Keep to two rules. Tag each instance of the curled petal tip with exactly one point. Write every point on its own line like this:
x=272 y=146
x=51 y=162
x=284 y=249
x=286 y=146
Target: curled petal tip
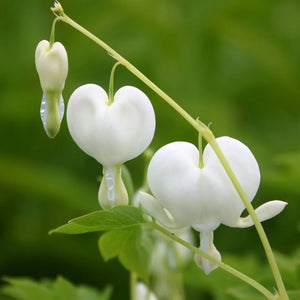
x=264 y=212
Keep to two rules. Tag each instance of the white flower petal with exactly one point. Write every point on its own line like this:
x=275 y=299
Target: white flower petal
x=207 y=245
x=223 y=196
x=264 y=212
x=203 y=196
x=111 y=133
x=52 y=65
x=157 y=211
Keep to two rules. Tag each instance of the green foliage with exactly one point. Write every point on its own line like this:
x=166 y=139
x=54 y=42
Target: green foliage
x=231 y=288
x=59 y=289
x=104 y=220
x=126 y=238
x=133 y=246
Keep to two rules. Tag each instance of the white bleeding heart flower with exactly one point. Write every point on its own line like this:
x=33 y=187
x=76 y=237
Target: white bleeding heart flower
x=52 y=66
x=112 y=131
x=186 y=194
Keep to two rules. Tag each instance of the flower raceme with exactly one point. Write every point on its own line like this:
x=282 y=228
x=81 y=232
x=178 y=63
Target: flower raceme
x=187 y=194
x=112 y=131
x=52 y=66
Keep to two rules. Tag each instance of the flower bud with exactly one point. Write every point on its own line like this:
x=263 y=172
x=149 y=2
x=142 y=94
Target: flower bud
x=52 y=67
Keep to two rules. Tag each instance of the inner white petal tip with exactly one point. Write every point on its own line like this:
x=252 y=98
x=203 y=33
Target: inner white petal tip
x=157 y=211
x=110 y=183
x=44 y=113
x=207 y=246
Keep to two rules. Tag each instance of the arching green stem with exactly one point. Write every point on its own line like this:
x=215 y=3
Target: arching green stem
x=111 y=83
x=222 y=265
x=52 y=34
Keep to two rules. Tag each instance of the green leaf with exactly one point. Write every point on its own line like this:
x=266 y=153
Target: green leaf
x=64 y=290
x=108 y=220
x=103 y=220
x=86 y=293
x=26 y=289
x=133 y=247
x=60 y=289
x=72 y=228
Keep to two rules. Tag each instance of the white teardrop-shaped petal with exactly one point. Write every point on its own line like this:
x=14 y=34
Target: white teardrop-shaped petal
x=111 y=133
x=205 y=196
x=264 y=212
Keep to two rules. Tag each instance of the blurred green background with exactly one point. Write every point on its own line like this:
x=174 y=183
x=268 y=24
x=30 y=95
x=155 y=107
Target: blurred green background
x=235 y=64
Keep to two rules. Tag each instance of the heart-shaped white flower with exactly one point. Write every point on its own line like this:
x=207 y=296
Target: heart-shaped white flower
x=202 y=196
x=112 y=132
x=187 y=194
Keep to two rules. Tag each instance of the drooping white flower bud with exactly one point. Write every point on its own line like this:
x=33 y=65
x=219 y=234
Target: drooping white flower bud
x=111 y=132
x=187 y=194
x=52 y=67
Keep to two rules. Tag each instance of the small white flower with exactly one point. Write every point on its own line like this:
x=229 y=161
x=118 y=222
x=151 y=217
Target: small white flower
x=143 y=293
x=187 y=195
x=52 y=67
x=112 y=133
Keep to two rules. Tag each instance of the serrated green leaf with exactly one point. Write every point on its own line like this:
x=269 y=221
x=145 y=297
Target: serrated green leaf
x=86 y=293
x=133 y=247
x=60 y=289
x=26 y=289
x=103 y=220
x=64 y=290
